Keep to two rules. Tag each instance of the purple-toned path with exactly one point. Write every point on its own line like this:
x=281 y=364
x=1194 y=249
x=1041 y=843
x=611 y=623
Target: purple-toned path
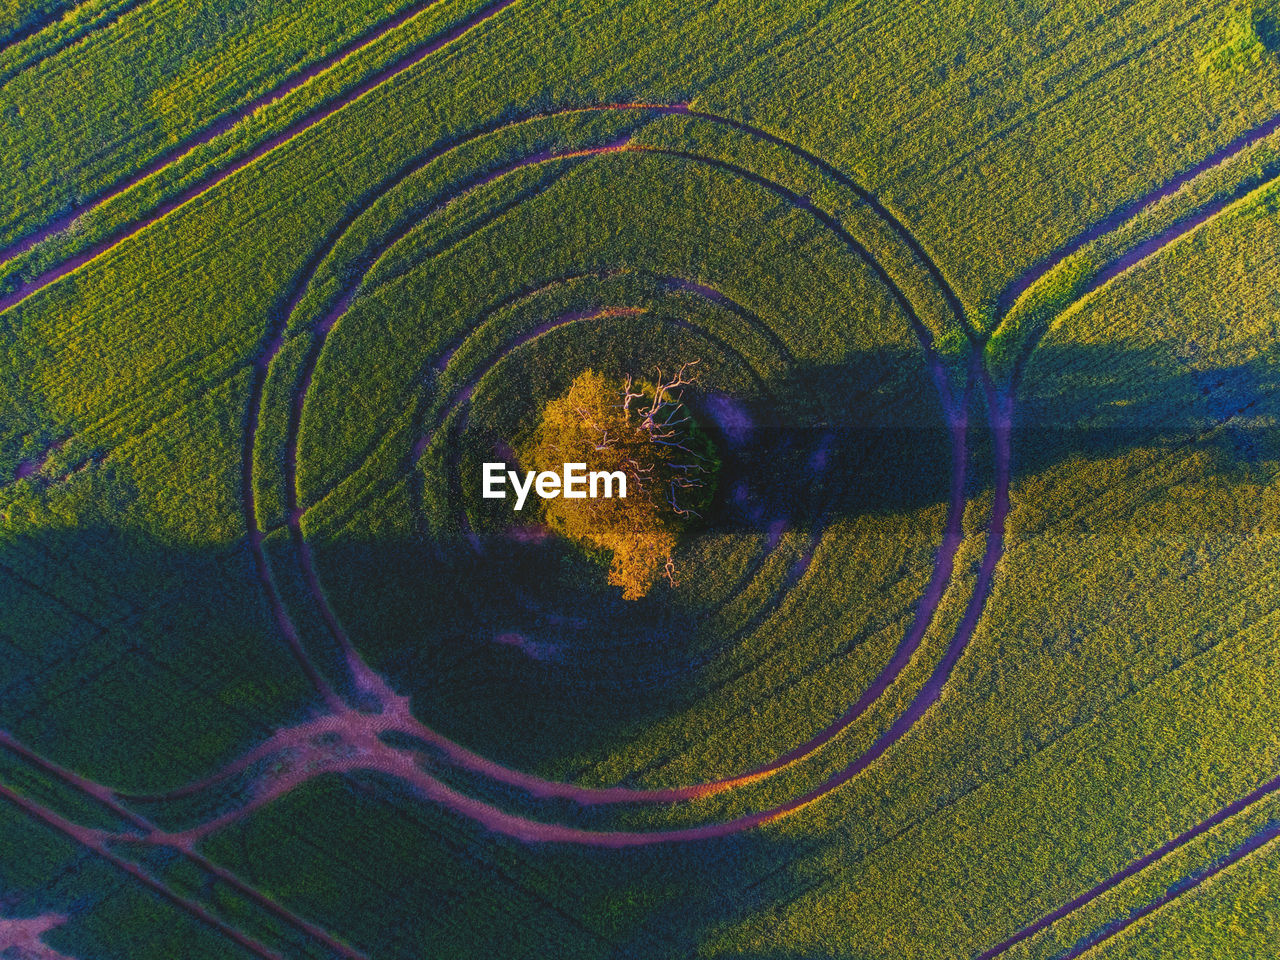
x=23 y=939
x=374 y=689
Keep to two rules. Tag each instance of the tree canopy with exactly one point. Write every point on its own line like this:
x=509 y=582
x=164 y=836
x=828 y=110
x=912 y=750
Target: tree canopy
x=644 y=430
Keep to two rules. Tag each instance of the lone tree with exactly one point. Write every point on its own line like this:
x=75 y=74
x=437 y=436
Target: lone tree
x=645 y=431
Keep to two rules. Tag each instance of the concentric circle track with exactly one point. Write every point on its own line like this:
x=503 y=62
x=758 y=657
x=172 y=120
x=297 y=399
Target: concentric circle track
x=373 y=689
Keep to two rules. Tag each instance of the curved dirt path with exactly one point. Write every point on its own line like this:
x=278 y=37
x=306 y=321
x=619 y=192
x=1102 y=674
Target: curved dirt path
x=395 y=710
x=371 y=685
x=353 y=740
x=262 y=568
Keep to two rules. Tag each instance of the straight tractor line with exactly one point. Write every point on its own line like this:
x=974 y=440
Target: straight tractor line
x=1220 y=816
x=219 y=126
x=110 y=800
x=292 y=131
x=1257 y=841
x=96 y=842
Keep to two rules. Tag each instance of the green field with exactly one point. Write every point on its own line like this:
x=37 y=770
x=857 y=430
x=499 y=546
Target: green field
x=974 y=654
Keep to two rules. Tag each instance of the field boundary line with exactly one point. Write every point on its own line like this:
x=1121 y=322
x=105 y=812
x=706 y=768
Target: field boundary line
x=110 y=799
x=309 y=120
x=96 y=841
x=1221 y=815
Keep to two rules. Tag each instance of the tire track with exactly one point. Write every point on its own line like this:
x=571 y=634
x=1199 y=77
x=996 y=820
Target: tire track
x=111 y=801
x=272 y=342
x=1252 y=845
x=395 y=709
x=1220 y=816
x=33 y=286
x=351 y=741
x=375 y=687
x=219 y=126
x=24 y=937
x=1120 y=217
x=96 y=842
x=369 y=84
x=23 y=34
x=256 y=538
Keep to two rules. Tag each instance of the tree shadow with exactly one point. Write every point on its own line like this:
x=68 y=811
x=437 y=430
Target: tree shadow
x=439 y=885
x=144 y=663
x=1266 y=23
x=137 y=662
x=1088 y=404
x=97 y=621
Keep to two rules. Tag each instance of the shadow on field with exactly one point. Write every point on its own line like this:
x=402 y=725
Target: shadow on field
x=172 y=647
x=399 y=878
x=135 y=662
x=519 y=647
x=1093 y=403
x=143 y=662
x=1266 y=23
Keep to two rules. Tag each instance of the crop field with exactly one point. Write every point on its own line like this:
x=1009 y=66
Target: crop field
x=971 y=648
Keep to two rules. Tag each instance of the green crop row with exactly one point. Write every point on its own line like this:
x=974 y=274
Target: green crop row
x=1244 y=183
x=1230 y=917
x=61 y=30
x=178 y=65
x=23 y=17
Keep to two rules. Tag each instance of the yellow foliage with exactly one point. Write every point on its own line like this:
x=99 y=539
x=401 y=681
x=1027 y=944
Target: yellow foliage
x=594 y=423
